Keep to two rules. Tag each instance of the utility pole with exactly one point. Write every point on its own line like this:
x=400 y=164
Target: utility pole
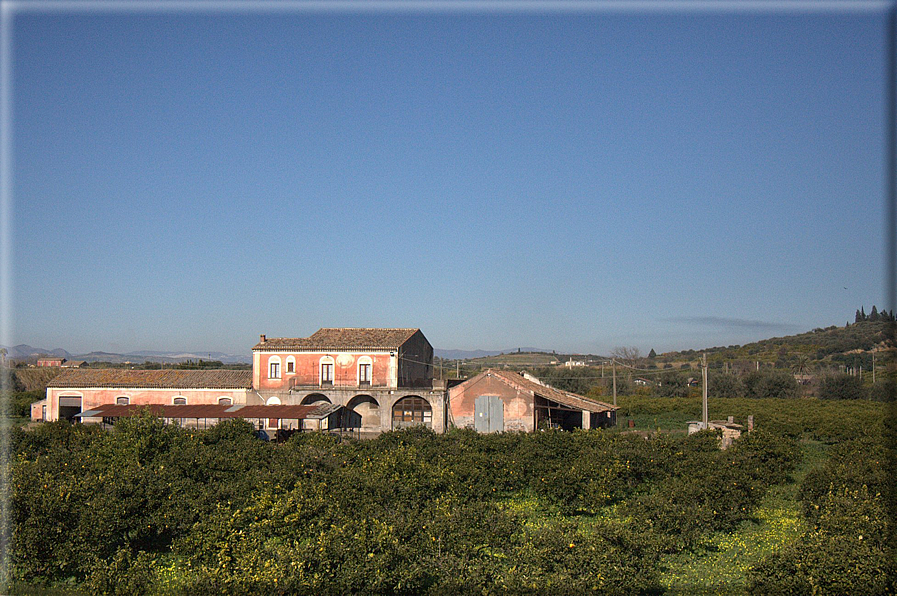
x=614 y=365
x=704 y=417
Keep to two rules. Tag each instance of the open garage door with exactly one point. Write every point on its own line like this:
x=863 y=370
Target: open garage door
x=69 y=407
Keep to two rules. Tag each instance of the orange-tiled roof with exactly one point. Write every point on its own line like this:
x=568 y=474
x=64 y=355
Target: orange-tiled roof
x=556 y=395
x=153 y=379
x=341 y=338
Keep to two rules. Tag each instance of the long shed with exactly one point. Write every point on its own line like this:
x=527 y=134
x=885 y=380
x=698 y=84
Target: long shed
x=321 y=416
x=501 y=400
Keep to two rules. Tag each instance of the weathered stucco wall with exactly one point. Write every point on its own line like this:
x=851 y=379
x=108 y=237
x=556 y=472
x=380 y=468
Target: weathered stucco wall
x=518 y=404
x=91 y=398
x=308 y=369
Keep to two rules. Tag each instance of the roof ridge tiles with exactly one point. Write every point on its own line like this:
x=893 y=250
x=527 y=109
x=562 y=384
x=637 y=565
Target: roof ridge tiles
x=340 y=338
x=162 y=378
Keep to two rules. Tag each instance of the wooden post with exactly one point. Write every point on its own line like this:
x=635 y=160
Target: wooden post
x=704 y=418
x=614 y=364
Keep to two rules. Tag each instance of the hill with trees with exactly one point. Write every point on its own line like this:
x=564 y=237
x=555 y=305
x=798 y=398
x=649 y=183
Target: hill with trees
x=832 y=347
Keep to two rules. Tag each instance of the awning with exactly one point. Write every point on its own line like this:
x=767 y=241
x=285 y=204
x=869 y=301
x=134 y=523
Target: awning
x=310 y=412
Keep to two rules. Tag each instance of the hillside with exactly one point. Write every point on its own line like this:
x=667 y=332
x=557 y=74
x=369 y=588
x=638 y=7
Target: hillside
x=33 y=379
x=850 y=345
x=522 y=359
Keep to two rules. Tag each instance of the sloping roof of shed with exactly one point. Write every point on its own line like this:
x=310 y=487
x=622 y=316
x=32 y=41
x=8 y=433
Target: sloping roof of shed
x=341 y=338
x=556 y=395
x=153 y=379
x=214 y=411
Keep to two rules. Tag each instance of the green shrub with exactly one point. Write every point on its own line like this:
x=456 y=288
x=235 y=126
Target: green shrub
x=725 y=385
x=766 y=384
x=846 y=553
x=671 y=384
x=842 y=387
x=178 y=511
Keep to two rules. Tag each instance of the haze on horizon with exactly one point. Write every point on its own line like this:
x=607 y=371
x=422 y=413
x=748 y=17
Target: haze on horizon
x=572 y=181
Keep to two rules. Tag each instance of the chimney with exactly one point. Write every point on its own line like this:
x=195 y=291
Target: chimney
x=262 y=338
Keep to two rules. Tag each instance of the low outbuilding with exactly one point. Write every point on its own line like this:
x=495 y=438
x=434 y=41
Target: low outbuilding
x=501 y=400
x=321 y=416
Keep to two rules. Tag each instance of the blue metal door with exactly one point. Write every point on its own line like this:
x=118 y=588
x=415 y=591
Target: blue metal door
x=489 y=414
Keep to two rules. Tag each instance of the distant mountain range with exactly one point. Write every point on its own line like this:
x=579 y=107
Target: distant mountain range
x=24 y=352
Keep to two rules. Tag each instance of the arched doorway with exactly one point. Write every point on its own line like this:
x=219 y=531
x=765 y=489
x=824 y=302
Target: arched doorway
x=366 y=412
x=412 y=411
x=314 y=398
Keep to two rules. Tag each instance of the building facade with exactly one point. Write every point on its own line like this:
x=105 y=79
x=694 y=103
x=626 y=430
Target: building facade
x=49 y=361
x=77 y=390
x=383 y=378
x=500 y=400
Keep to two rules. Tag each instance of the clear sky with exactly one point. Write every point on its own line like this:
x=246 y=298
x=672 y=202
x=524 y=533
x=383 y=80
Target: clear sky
x=563 y=180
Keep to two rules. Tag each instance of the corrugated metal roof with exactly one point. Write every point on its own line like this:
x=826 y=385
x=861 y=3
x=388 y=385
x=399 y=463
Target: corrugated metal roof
x=153 y=379
x=213 y=411
x=341 y=338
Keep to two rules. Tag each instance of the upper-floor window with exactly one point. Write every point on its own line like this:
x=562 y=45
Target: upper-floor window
x=365 y=365
x=291 y=365
x=122 y=401
x=327 y=370
x=225 y=401
x=274 y=368
x=180 y=401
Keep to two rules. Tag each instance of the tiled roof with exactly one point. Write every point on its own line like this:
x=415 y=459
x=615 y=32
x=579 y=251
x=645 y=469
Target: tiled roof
x=153 y=379
x=213 y=411
x=556 y=395
x=342 y=338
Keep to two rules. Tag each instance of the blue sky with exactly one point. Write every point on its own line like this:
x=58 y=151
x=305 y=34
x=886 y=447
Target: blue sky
x=570 y=181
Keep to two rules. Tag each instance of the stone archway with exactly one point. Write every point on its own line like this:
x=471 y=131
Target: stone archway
x=367 y=411
x=314 y=398
x=412 y=411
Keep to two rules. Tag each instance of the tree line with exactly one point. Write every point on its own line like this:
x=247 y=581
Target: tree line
x=874 y=315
